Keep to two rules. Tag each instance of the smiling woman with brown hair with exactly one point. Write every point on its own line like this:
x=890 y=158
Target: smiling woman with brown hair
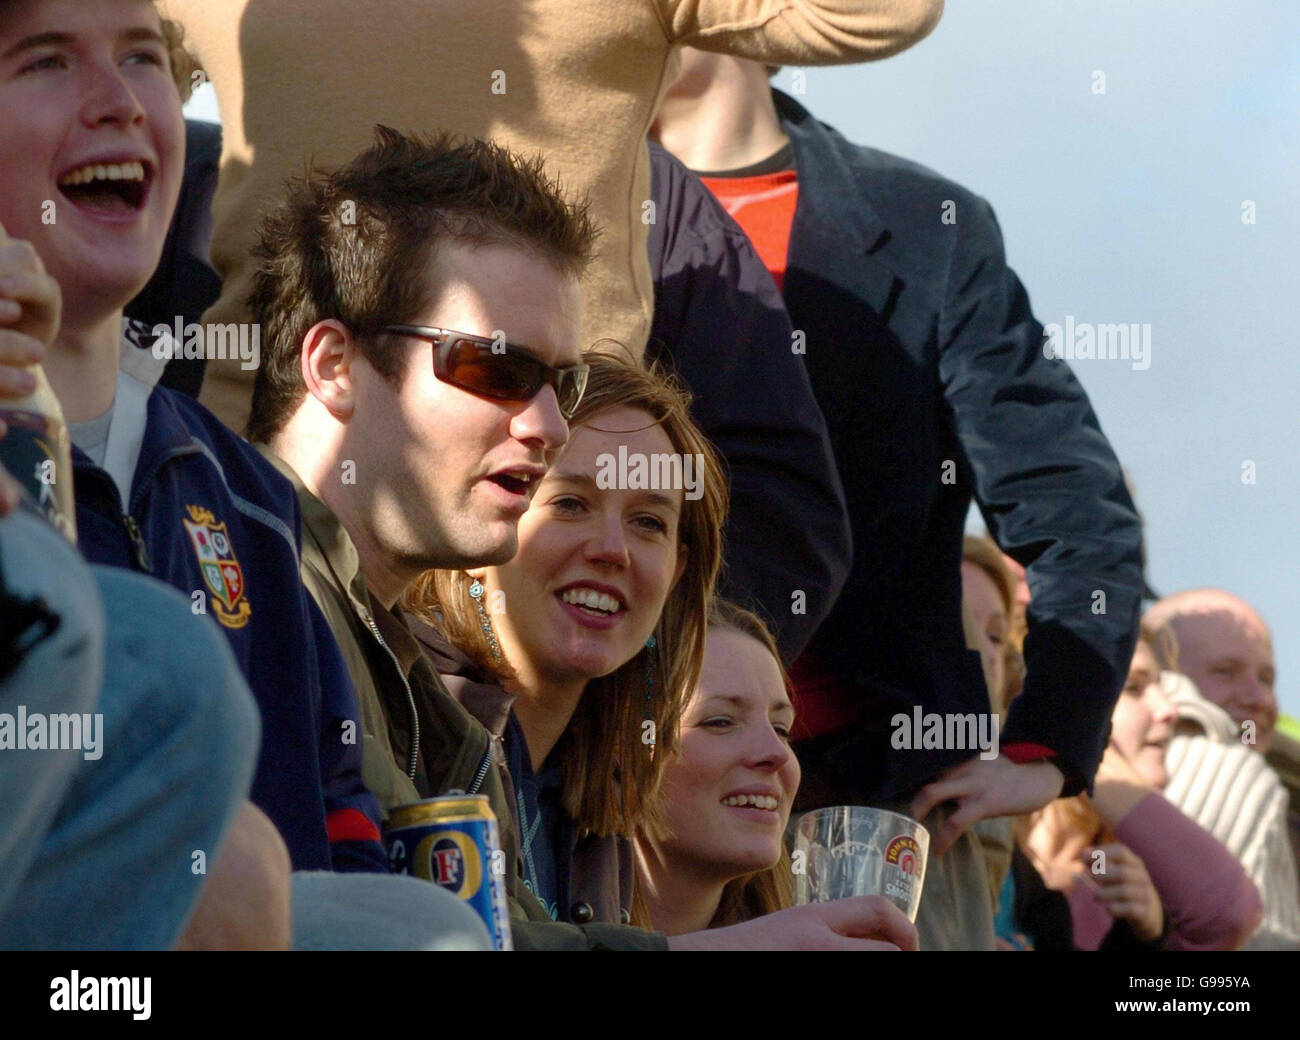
x=727 y=793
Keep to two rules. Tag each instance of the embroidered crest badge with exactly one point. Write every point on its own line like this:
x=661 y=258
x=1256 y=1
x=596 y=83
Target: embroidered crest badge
x=221 y=571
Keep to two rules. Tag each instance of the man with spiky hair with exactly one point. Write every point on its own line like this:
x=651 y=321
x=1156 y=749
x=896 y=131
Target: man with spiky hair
x=423 y=446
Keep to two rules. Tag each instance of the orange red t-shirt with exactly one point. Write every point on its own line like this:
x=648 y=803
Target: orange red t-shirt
x=762 y=203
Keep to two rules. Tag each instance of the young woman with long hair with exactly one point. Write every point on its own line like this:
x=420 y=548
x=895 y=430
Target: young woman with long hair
x=727 y=792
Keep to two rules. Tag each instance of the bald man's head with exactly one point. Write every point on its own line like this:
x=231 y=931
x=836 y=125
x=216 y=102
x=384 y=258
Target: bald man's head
x=1225 y=648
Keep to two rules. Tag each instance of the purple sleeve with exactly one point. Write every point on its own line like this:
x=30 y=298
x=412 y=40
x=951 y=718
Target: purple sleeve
x=1090 y=921
x=720 y=320
x=1209 y=901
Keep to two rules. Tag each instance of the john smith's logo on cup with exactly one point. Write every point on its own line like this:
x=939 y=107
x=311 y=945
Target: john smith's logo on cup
x=904 y=867
x=904 y=853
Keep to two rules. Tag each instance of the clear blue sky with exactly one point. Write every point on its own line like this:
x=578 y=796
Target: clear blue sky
x=1126 y=207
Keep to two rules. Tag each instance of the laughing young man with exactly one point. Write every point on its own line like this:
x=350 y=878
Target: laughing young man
x=91 y=158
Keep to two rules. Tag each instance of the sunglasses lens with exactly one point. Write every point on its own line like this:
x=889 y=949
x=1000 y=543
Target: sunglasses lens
x=508 y=376
x=512 y=376
x=570 y=388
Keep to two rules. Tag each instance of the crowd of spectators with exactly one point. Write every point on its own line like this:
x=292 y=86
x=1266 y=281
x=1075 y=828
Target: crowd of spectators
x=421 y=543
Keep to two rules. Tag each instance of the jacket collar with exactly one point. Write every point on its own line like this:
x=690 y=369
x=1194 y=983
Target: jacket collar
x=392 y=627
x=324 y=531
x=165 y=434
x=824 y=174
x=166 y=437
x=486 y=700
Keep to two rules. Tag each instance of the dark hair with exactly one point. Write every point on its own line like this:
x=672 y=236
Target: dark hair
x=343 y=244
x=611 y=783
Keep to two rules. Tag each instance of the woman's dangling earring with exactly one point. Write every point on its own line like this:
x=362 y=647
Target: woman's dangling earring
x=650 y=645
x=476 y=592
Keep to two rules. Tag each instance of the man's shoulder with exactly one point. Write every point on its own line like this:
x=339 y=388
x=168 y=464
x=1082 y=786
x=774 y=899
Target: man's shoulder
x=898 y=170
x=690 y=226
x=895 y=186
x=245 y=471
x=686 y=198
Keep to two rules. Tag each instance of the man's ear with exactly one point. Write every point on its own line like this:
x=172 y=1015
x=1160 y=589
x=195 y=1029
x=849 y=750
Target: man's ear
x=329 y=351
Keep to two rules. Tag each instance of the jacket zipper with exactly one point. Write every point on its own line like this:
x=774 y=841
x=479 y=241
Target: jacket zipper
x=137 y=543
x=413 y=755
x=482 y=771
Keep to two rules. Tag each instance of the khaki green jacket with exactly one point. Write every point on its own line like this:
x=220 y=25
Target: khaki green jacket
x=418 y=741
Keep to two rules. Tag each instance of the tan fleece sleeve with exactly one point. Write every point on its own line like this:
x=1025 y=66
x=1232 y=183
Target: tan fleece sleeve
x=800 y=32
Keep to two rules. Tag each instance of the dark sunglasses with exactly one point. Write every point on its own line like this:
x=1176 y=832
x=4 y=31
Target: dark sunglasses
x=481 y=366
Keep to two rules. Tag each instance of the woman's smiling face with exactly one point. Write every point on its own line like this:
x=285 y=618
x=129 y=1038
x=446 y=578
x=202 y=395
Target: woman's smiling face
x=595 y=564
x=1142 y=722
x=728 y=794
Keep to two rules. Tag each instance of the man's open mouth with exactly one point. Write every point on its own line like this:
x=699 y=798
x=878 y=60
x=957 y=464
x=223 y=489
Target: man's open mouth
x=516 y=484
x=113 y=188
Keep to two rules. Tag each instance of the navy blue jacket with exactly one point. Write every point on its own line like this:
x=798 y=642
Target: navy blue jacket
x=211 y=517
x=923 y=351
x=719 y=321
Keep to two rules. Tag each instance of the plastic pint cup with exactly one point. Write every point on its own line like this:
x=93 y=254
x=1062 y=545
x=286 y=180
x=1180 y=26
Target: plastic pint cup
x=850 y=850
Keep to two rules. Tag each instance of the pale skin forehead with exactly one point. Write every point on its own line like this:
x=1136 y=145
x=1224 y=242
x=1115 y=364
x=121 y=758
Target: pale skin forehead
x=738 y=666
x=1203 y=611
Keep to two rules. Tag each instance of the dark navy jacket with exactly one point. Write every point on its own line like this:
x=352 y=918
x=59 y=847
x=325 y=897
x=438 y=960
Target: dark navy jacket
x=211 y=517
x=922 y=351
x=719 y=320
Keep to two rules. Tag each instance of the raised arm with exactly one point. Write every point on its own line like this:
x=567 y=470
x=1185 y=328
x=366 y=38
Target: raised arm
x=1052 y=493
x=800 y=32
